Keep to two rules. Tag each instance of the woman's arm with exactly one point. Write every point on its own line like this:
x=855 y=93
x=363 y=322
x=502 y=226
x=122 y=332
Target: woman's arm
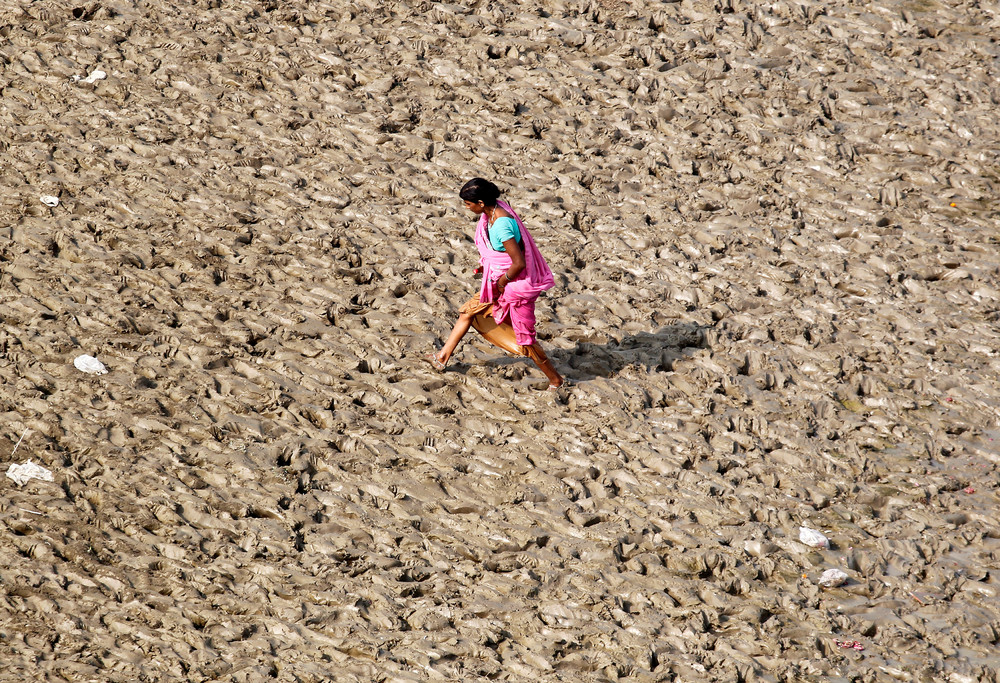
x=516 y=264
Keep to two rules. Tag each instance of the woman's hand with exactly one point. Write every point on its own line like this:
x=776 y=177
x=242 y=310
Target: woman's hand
x=501 y=285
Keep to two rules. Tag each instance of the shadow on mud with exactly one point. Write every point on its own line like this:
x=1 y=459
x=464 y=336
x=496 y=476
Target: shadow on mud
x=652 y=350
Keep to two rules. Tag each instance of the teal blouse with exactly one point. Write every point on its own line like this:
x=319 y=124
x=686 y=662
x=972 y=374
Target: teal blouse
x=503 y=229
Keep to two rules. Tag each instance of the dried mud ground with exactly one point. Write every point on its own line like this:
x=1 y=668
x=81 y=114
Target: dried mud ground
x=774 y=229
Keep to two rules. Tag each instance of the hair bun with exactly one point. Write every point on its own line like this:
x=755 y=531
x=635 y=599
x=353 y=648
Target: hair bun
x=480 y=190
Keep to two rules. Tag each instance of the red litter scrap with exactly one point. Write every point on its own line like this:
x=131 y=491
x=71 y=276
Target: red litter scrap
x=969 y=489
x=850 y=645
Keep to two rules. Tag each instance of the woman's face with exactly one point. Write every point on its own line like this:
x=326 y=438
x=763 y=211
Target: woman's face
x=475 y=207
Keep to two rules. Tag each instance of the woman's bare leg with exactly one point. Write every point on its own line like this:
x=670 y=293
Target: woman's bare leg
x=537 y=354
x=462 y=326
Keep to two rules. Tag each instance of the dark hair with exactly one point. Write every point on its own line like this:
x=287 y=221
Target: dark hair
x=479 y=190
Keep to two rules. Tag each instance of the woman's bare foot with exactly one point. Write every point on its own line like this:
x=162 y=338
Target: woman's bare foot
x=435 y=362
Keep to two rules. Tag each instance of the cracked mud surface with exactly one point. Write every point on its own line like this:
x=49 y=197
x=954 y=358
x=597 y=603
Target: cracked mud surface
x=774 y=233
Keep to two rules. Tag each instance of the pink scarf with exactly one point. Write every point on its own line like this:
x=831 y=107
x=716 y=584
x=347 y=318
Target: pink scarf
x=518 y=300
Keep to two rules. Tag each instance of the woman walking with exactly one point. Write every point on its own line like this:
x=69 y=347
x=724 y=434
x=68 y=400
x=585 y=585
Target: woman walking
x=514 y=274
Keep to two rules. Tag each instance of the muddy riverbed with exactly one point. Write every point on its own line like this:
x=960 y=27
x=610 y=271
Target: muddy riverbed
x=774 y=233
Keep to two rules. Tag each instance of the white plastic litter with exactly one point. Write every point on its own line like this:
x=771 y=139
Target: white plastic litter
x=832 y=578
x=813 y=538
x=759 y=548
x=90 y=365
x=94 y=76
x=22 y=474
x=49 y=200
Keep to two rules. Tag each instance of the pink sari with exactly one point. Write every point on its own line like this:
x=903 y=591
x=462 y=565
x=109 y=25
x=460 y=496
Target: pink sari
x=518 y=300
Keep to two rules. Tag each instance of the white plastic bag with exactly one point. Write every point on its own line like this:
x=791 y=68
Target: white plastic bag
x=94 y=76
x=22 y=474
x=832 y=578
x=90 y=365
x=49 y=200
x=813 y=538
